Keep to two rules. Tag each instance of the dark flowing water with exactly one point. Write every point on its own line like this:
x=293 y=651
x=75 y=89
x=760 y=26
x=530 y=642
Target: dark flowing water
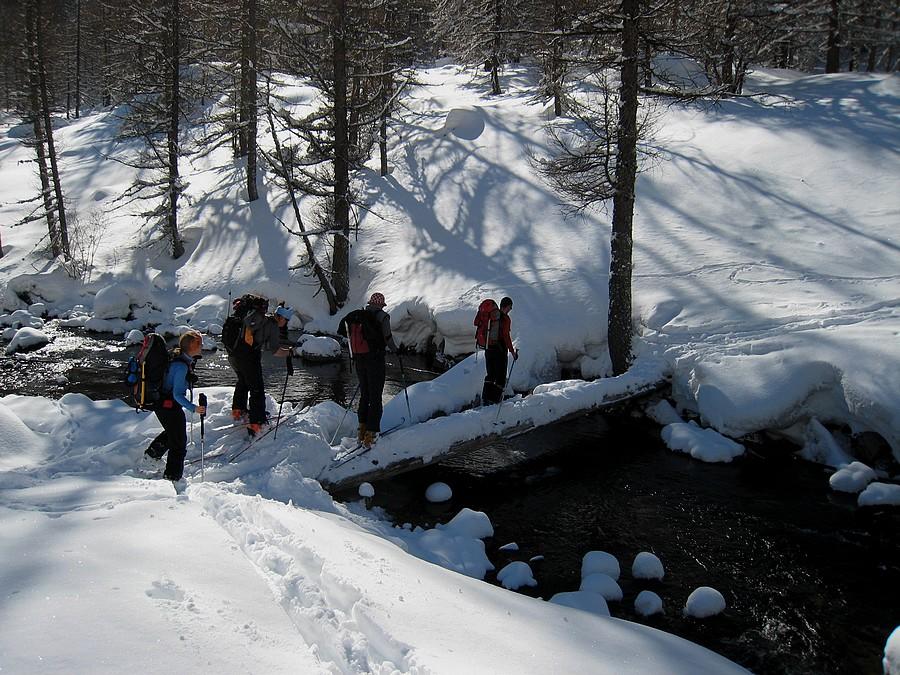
x=812 y=582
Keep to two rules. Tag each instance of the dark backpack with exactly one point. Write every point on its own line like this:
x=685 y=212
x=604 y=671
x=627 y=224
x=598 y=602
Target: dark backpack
x=487 y=324
x=361 y=328
x=146 y=372
x=233 y=328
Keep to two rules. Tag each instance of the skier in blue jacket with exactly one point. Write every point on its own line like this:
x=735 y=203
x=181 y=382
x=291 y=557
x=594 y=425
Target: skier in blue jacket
x=169 y=411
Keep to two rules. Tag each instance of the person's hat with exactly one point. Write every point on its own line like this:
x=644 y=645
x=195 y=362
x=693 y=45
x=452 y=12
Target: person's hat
x=285 y=312
x=377 y=299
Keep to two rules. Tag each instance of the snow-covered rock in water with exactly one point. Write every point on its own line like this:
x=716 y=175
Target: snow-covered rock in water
x=891 y=661
x=134 y=337
x=877 y=494
x=9 y=333
x=319 y=348
x=820 y=446
x=600 y=562
x=96 y=325
x=475 y=524
x=515 y=575
x=366 y=490
x=603 y=584
x=703 y=602
x=852 y=478
x=438 y=492
x=511 y=546
x=209 y=344
x=586 y=601
x=112 y=302
x=207 y=310
x=647 y=566
x=27 y=339
x=707 y=445
x=648 y=603
x=37 y=309
x=21 y=319
x=662 y=412
x=214 y=328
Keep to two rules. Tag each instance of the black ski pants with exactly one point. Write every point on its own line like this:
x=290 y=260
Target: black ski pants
x=172 y=439
x=370 y=372
x=248 y=369
x=495 y=379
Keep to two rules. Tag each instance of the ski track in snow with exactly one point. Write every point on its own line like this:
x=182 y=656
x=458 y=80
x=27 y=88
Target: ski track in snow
x=326 y=611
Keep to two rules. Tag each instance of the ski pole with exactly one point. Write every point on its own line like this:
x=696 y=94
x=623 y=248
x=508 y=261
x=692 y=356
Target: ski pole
x=202 y=435
x=289 y=362
x=405 y=392
x=344 y=416
x=503 y=393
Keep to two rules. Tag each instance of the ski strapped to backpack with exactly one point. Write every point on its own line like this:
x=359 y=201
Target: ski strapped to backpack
x=362 y=330
x=487 y=324
x=235 y=338
x=146 y=372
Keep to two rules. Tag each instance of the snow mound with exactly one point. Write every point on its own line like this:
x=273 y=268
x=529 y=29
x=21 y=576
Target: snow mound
x=467 y=522
x=26 y=339
x=21 y=445
x=704 y=602
x=647 y=566
x=707 y=445
x=464 y=123
x=648 y=603
x=112 y=302
x=515 y=575
x=819 y=445
x=852 y=478
x=880 y=494
x=366 y=490
x=603 y=584
x=891 y=660
x=21 y=319
x=438 y=492
x=600 y=562
x=319 y=348
x=586 y=601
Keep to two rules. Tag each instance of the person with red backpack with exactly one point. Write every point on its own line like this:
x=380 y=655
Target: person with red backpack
x=173 y=401
x=493 y=335
x=368 y=332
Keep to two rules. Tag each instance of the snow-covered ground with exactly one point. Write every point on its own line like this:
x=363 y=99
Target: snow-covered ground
x=767 y=285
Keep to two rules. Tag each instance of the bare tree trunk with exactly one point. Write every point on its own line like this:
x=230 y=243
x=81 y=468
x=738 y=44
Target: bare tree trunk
x=833 y=55
x=385 y=101
x=620 y=324
x=495 y=56
x=340 y=272
x=249 y=110
x=48 y=134
x=37 y=121
x=174 y=186
x=77 y=59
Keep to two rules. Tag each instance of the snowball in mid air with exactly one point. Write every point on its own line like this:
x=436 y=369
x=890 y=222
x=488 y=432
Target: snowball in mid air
x=599 y=561
x=438 y=492
x=704 y=602
x=647 y=566
x=515 y=575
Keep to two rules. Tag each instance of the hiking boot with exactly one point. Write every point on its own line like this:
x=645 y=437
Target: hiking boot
x=361 y=432
x=238 y=415
x=256 y=429
x=370 y=438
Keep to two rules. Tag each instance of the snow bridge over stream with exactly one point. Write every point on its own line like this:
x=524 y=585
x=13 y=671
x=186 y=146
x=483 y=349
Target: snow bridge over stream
x=430 y=422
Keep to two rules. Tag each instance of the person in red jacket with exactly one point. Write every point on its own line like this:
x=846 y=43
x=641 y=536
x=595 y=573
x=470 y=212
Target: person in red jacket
x=495 y=355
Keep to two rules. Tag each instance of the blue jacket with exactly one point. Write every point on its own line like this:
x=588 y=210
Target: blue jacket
x=176 y=381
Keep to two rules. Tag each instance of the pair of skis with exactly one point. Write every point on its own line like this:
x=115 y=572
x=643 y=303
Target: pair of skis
x=353 y=453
